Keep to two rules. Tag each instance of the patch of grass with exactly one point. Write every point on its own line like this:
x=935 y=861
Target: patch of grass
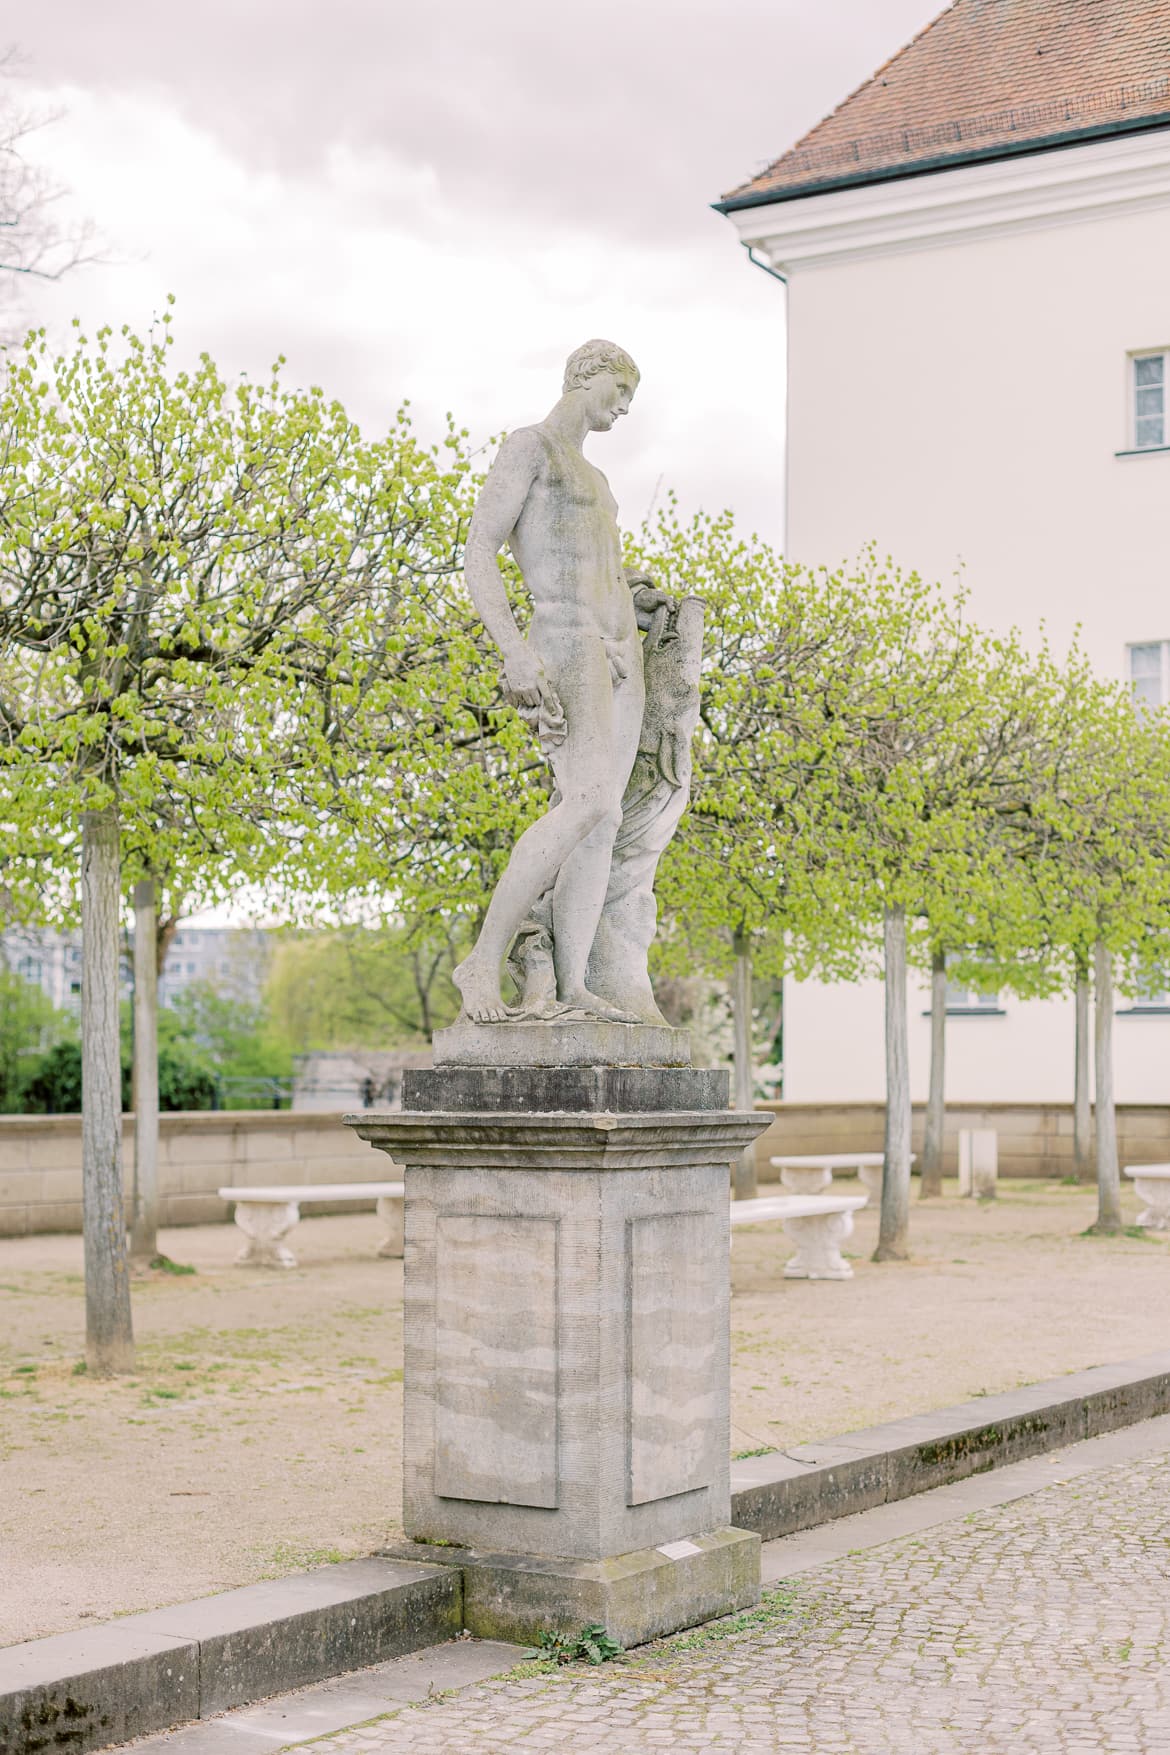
x=773 y=1607
x=162 y=1264
x=290 y=1557
x=80 y=1369
x=157 y=1394
x=761 y=1450
x=24 y=1371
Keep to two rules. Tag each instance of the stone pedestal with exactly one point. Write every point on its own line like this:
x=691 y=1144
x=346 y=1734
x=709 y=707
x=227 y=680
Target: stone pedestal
x=566 y=1347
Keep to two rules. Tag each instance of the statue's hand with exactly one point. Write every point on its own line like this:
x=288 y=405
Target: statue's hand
x=648 y=599
x=526 y=685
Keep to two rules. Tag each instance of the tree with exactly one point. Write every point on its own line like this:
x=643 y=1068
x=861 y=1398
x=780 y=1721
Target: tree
x=995 y=938
x=29 y=1026
x=198 y=583
x=743 y=883
x=34 y=244
x=363 y=987
x=1094 y=836
x=932 y=738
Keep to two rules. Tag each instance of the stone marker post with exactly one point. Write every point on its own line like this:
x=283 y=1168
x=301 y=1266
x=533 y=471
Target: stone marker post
x=566 y=1168
x=978 y=1162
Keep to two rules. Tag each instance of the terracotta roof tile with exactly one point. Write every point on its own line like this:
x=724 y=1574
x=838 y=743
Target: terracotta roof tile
x=987 y=78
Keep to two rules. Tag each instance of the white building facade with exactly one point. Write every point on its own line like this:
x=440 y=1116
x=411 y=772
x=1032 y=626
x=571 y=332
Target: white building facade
x=979 y=385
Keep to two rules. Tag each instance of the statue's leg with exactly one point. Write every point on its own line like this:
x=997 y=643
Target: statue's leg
x=580 y=890
x=583 y=764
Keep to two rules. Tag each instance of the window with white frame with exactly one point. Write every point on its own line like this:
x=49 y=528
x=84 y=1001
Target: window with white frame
x=1151 y=994
x=968 y=996
x=1149 y=663
x=1149 y=400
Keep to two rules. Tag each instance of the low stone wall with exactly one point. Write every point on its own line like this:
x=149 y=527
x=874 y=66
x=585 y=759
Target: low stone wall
x=1035 y=1139
x=40 y=1155
x=40 y=1163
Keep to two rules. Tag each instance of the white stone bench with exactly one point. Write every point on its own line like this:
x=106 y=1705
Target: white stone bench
x=817 y=1224
x=265 y=1215
x=1152 y=1182
x=812 y=1172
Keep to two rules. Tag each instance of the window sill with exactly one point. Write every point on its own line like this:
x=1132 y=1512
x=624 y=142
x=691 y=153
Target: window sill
x=1142 y=451
x=1143 y=1011
x=975 y=1011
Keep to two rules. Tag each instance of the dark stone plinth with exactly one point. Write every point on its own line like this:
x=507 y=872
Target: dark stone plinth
x=565 y=1090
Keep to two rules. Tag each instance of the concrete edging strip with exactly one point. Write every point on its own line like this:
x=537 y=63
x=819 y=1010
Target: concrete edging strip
x=143 y=1673
x=809 y=1484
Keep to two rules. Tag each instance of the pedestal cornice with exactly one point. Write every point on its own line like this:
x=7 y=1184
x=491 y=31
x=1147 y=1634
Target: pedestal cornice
x=657 y=1141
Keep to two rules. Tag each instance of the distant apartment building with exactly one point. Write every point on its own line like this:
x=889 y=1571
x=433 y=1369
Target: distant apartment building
x=232 y=960
x=976 y=246
x=47 y=959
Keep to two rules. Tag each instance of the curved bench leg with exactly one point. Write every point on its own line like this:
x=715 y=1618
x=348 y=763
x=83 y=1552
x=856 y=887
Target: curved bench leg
x=263 y=1224
x=818 y=1238
x=803 y=1179
x=1155 y=1190
x=392 y=1212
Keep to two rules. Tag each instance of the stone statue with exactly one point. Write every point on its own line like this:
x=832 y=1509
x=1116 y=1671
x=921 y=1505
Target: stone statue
x=574 y=911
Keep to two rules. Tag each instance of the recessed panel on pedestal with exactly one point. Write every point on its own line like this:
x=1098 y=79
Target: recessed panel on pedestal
x=496 y=1359
x=673 y=1310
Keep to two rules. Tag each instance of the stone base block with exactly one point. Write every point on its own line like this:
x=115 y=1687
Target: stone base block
x=586 y=1043
x=575 y=1090
x=635 y=1597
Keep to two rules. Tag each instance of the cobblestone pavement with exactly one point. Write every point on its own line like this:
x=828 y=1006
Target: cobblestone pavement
x=1041 y=1625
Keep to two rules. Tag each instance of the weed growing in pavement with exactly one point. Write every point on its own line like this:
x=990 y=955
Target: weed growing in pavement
x=592 y=1645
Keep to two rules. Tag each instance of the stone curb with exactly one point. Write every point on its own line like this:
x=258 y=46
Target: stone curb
x=143 y=1673
x=811 y=1484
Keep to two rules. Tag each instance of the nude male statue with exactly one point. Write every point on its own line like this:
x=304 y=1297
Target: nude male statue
x=577 y=677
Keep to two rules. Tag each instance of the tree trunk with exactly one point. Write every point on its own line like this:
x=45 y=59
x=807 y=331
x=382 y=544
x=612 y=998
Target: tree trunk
x=1082 y=1112
x=109 y=1337
x=895 y=1213
x=741 y=996
x=144 y=1210
x=932 y=1147
x=1108 y=1170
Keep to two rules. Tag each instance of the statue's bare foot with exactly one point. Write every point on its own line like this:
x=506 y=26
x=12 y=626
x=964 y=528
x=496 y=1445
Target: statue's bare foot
x=582 y=1000
x=479 y=989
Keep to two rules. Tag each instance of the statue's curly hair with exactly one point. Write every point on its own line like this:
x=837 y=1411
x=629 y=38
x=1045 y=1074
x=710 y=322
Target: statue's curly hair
x=596 y=356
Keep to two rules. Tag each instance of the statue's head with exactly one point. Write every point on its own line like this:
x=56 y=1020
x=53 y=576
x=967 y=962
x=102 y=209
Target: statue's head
x=606 y=377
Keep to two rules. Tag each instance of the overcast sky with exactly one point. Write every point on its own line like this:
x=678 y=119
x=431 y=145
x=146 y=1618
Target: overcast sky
x=441 y=199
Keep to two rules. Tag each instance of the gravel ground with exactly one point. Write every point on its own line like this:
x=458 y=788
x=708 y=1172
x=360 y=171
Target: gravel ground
x=261 y=1433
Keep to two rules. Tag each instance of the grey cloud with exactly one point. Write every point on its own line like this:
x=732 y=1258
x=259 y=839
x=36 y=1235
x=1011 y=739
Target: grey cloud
x=626 y=116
